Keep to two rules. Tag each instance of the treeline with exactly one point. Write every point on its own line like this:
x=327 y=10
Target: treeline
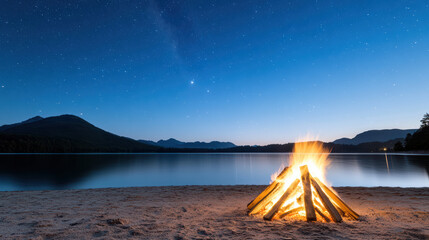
x=39 y=144
x=336 y=148
x=419 y=141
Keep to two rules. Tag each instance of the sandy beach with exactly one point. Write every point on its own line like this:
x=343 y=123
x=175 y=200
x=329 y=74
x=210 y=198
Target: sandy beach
x=202 y=212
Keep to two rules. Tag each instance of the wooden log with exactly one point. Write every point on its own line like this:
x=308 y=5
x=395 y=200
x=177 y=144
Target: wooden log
x=267 y=190
x=300 y=199
x=262 y=195
x=290 y=212
x=342 y=213
x=341 y=204
x=275 y=209
x=317 y=201
x=261 y=204
x=322 y=214
x=282 y=174
x=308 y=197
x=319 y=205
x=326 y=202
x=285 y=208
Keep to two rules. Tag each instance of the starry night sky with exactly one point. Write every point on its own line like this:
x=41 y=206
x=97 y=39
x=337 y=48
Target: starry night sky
x=251 y=72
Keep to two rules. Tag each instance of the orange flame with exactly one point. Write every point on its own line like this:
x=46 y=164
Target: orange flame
x=310 y=153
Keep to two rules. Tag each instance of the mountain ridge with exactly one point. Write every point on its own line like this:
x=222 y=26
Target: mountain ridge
x=65 y=133
x=381 y=135
x=30 y=120
x=174 y=143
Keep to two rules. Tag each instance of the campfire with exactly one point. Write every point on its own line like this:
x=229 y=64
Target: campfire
x=300 y=190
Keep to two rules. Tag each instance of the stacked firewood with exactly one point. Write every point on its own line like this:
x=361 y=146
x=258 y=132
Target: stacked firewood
x=314 y=198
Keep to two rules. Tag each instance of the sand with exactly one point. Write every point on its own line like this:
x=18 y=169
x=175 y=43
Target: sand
x=202 y=212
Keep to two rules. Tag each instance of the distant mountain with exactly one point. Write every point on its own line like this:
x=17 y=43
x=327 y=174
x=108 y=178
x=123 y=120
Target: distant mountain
x=173 y=143
x=148 y=142
x=34 y=119
x=65 y=133
x=376 y=136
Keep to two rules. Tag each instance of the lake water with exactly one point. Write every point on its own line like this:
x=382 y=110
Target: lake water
x=77 y=171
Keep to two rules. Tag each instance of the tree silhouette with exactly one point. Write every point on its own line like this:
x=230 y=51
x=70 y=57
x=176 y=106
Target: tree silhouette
x=398 y=146
x=420 y=139
x=408 y=140
x=425 y=121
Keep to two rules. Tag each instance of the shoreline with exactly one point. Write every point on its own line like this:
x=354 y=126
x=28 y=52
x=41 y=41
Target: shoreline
x=204 y=212
x=214 y=151
x=423 y=153
x=205 y=186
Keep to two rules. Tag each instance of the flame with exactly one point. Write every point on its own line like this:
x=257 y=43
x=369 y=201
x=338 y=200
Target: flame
x=315 y=156
x=312 y=154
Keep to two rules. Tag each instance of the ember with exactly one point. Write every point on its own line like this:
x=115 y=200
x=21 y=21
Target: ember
x=299 y=190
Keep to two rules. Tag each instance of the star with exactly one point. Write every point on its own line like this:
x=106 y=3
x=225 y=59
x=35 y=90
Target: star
x=192 y=82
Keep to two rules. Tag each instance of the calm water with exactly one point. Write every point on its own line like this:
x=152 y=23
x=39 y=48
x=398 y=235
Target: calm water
x=72 y=171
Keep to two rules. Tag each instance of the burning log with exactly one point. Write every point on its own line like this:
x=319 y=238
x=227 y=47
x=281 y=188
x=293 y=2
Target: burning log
x=292 y=211
x=317 y=203
x=341 y=204
x=308 y=198
x=322 y=214
x=285 y=208
x=341 y=212
x=267 y=198
x=299 y=199
x=274 y=210
x=267 y=190
x=326 y=202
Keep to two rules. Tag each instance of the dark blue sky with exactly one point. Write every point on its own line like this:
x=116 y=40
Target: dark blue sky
x=251 y=72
